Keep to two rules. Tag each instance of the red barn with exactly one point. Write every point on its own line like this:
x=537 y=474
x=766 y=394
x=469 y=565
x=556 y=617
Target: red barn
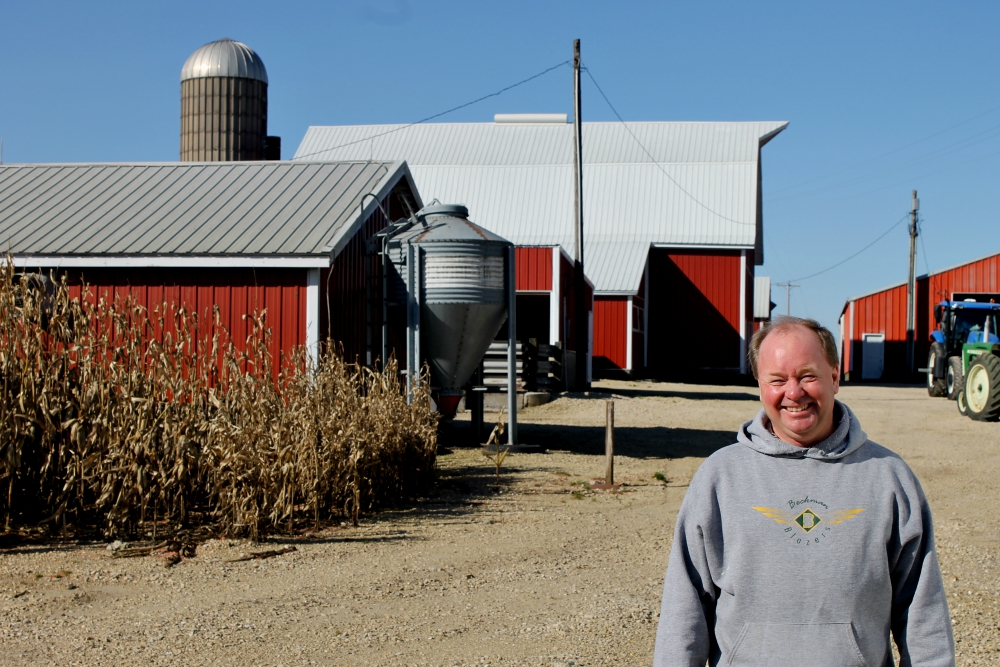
x=673 y=224
x=245 y=236
x=873 y=325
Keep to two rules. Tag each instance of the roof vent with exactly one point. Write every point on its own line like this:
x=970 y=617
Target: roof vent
x=530 y=118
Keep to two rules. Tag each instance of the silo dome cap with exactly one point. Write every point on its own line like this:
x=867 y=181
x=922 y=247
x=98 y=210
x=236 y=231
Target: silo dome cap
x=452 y=210
x=224 y=57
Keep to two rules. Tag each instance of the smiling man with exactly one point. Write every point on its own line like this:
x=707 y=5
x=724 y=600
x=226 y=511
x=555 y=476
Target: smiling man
x=805 y=543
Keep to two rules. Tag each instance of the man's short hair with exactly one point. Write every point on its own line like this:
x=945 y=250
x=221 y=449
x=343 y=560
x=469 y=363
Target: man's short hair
x=783 y=322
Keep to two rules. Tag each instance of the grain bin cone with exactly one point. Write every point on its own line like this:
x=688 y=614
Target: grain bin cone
x=463 y=295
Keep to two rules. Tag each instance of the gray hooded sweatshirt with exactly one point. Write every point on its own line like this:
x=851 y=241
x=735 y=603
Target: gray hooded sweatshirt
x=787 y=556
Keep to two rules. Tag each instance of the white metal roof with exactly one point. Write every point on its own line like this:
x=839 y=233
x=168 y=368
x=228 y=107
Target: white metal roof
x=761 y=297
x=209 y=209
x=517 y=180
x=224 y=57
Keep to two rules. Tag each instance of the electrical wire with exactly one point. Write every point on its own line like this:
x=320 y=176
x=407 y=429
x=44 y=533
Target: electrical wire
x=437 y=115
x=923 y=251
x=961 y=145
x=650 y=156
x=844 y=261
x=894 y=150
x=914 y=179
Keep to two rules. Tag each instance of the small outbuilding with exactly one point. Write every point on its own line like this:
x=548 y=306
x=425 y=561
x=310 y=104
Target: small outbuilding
x=288 y=237
x=873 y=325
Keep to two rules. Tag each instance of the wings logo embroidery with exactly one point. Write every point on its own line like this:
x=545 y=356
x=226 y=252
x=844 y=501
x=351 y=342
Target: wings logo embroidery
x=808 y=519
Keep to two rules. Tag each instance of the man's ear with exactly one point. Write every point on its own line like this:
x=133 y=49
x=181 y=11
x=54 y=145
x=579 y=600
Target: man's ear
x=836 y=378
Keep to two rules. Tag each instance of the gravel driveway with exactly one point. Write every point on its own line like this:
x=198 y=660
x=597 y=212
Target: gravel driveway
x=544 y=572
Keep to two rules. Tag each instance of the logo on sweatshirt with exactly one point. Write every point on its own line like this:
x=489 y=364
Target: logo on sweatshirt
x=809 y=526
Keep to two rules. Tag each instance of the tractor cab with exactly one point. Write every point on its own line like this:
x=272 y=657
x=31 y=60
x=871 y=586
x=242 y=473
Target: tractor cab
x=962 y=322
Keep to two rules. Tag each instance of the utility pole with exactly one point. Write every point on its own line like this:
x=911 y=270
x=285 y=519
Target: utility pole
x=788 y=295
x=580 y=309
x=911 y=287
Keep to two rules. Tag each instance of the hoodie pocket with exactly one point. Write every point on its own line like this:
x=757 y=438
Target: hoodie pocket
x=788 y=644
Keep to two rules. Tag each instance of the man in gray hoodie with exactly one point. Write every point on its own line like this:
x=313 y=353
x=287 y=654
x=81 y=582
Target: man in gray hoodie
x=805 y=543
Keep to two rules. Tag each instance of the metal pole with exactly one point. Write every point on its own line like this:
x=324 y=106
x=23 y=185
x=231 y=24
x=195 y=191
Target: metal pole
x=511 y=348
x=411 y=352
x=384 y=279
x=369 y=261
x=417 y=301
x=911 y=286
x=788 y=295
x=580 y=310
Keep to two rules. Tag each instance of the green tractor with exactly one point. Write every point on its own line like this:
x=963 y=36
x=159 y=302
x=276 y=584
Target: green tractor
x=964 y=360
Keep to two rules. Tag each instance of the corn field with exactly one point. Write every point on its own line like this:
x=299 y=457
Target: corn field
x=118 y=420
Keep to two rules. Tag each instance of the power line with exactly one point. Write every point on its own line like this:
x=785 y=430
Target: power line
x=961 y=145
x=655 y=162
x=914 y=179
x=923 y=250
x=894 y=150
x=843 y=261
x=437 y=115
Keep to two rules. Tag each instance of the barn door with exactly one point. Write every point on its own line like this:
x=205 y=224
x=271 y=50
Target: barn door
x=872 y=356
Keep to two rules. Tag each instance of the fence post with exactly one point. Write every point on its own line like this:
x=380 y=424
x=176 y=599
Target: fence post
x=609 y=444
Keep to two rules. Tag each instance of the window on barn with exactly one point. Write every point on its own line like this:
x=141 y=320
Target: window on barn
x=638 y=311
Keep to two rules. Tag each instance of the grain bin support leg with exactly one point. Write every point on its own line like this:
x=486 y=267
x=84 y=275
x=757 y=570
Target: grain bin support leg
x=511 y=348
x=411 y=351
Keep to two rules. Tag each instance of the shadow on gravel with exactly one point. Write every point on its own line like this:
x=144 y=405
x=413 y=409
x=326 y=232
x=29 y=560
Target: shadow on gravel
x=38 y=547
x=694 y=395
x=650 y=442
x=334 y=539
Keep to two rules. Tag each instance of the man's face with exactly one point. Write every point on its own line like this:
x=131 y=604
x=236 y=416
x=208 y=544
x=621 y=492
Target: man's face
x=797 y=386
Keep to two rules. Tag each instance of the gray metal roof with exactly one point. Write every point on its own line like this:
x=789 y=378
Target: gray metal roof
x=700 y=187
x=761 y=297
x=224 y=57
x=216 y=209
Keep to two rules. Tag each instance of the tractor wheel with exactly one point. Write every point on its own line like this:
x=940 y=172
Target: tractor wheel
x=954 y=380
x=935 y=386
x=982 y=388
x=963 y=409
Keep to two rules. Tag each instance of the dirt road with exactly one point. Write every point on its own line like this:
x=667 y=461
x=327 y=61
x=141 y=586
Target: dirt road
x=547 y=572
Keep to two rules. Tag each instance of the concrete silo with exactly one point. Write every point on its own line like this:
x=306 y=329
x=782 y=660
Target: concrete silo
x=224 y=105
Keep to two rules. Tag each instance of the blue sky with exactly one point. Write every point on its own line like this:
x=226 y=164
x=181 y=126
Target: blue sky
x=883 y=98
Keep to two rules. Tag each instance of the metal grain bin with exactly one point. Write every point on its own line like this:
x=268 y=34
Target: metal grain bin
x=463 y=272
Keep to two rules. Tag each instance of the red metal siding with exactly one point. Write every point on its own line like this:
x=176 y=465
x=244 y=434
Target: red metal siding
x=610 y=331
x=885 y=312
x=534 y=268
x=980 y=276
x=569 y=319
x=694 y=311
x=237 y=292
x=845 y=343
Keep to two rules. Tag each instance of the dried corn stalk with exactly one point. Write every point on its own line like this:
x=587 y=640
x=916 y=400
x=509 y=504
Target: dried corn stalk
x=118 y=419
